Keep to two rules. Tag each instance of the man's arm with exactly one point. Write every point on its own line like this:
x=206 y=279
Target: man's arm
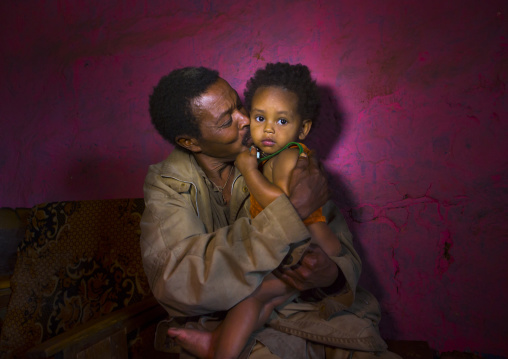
x=331 y=276
x=194 y=268
x=315 y=270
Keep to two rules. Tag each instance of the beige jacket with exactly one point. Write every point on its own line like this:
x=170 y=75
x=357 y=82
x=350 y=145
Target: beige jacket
x=195 y=268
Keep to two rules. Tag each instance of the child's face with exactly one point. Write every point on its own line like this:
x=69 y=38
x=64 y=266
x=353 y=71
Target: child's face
x=274 y=119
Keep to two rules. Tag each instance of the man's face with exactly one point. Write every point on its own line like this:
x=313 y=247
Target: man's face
x=223 y=122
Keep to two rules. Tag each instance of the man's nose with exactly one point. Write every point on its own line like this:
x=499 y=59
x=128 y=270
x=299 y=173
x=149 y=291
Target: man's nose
x=243 y=119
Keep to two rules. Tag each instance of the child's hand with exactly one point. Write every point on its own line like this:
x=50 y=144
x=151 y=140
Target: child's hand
x=247 y=161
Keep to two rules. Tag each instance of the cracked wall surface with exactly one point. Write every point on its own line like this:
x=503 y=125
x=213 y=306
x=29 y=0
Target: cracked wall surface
x=413 y=130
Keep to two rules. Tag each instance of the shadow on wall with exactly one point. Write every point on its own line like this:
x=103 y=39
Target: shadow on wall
x=323 y=138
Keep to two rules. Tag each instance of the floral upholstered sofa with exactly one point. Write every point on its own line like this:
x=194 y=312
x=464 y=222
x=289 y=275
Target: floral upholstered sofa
x=78 y=289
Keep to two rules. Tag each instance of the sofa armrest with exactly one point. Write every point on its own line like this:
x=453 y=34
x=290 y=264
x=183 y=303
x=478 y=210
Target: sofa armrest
x=102 y=337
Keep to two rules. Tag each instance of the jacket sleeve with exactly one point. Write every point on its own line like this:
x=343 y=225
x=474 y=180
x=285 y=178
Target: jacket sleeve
x=192 y=272
x=348 y=261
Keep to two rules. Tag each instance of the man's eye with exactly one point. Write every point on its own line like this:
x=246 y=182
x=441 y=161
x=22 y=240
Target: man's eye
x=282 y=121
x=259 y=118
x=227 y=123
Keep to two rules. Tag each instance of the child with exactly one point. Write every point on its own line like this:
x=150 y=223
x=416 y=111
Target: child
x=283 y=101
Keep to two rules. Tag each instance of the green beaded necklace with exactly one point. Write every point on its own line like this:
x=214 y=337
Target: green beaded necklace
x=300 y=149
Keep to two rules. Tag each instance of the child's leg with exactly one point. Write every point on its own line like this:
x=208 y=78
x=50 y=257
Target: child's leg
x=228 y=340
x=323 y=236
x=249 y=315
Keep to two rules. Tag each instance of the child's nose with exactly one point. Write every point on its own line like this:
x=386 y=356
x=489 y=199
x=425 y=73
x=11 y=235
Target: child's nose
x=268 y=128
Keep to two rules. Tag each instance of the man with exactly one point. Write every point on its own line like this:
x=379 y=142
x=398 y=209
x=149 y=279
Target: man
x=202 y=254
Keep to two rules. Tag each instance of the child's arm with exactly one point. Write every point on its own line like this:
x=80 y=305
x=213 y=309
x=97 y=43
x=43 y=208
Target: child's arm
x=282 y=168
x=321 y=234
x=324 y=237
x=259 y=186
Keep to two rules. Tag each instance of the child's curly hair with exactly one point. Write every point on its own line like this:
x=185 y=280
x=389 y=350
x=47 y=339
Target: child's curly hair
x=295 y=78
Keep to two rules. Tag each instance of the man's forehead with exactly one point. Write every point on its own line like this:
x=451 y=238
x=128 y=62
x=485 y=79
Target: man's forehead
x=222 y=89
x=219 y=97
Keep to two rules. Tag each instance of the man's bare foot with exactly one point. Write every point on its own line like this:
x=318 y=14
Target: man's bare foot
x=196 y=342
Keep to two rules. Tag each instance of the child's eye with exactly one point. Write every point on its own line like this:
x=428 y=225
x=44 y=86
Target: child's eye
x=282 y=121
x=259 y=118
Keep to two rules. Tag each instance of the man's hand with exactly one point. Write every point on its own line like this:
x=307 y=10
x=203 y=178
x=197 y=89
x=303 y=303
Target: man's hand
x=247 y=161
x=315 y=270
x=308 y=186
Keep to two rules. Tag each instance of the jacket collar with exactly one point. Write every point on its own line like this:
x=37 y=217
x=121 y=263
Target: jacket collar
x=182 y=166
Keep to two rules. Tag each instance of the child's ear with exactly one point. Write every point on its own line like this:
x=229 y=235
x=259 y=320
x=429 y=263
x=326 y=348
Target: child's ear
x=189 y=143
x=304 y=130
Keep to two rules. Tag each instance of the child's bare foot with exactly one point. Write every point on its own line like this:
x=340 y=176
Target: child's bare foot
x=196 y=342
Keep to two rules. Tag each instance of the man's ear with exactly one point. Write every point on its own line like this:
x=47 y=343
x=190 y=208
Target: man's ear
x=304 y=130
x=189 y=143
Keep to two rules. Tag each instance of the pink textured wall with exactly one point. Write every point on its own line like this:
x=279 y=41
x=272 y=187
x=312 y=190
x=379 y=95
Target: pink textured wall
x=414 y=129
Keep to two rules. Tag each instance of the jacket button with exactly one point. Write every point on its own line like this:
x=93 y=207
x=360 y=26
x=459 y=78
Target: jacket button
x=245 y=189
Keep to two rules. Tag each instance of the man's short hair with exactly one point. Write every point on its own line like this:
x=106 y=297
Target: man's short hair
x=171 y=101
x=295 y=78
